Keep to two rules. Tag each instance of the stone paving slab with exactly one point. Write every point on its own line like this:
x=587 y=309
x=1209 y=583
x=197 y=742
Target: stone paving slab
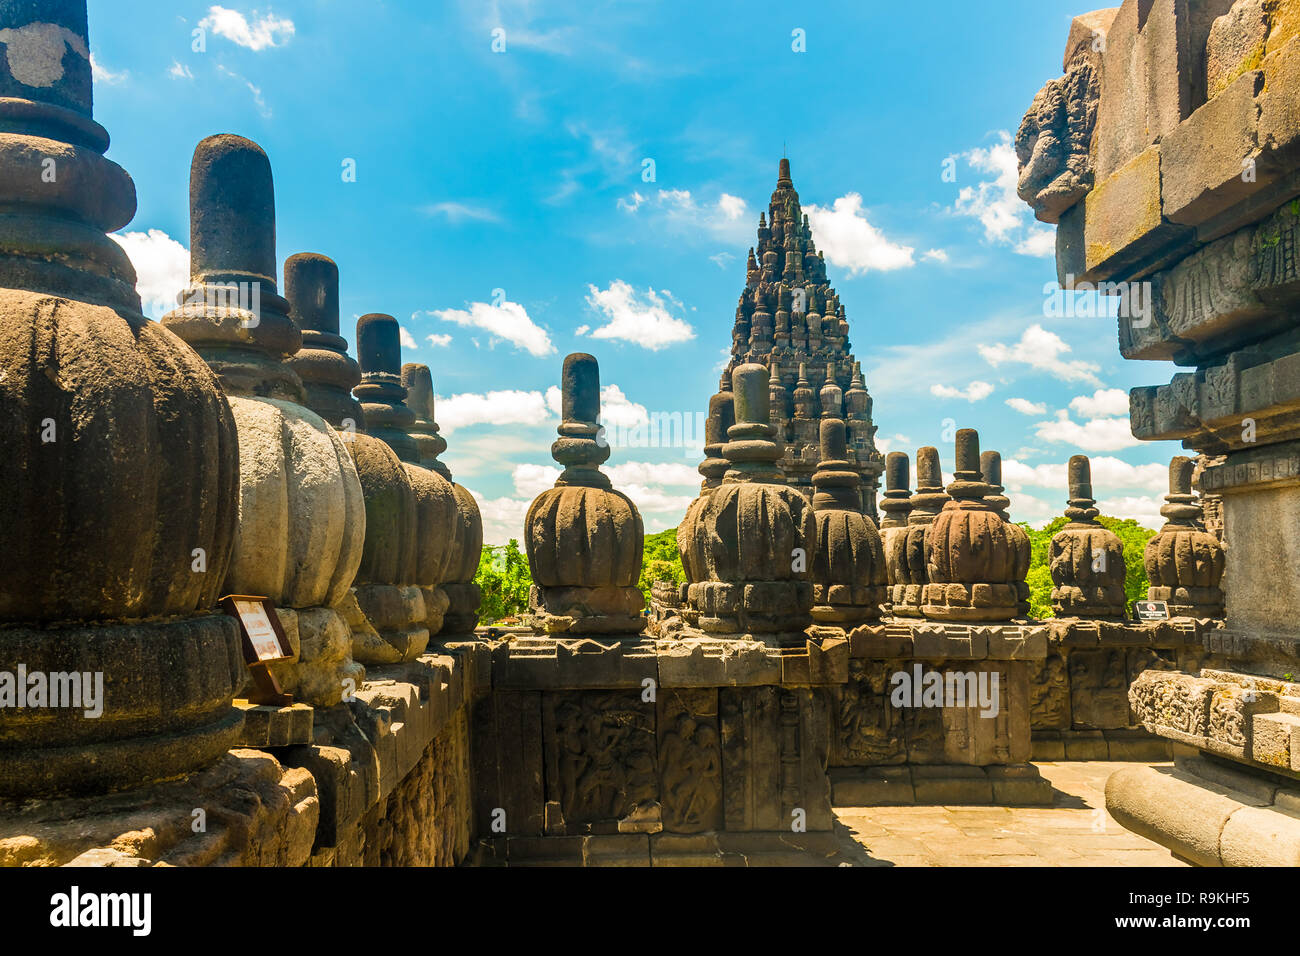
x=1075 y=831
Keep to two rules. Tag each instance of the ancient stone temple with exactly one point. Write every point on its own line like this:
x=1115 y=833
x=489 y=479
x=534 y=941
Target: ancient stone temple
x=790 y=319
x=1168 y=154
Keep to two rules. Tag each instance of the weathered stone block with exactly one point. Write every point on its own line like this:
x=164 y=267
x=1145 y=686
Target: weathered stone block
x=951 y=785
x=690 y=760
x=1275 y=740
x=1124 y=224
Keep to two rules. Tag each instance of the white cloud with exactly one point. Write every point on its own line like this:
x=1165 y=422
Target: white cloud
x=974 y=392
x=934 y=255
x=438 y=341
x=503 y=518
x=1146 y=511
x=531 y=480
x=259 y=33
x=893 y=443
x=724 y=218
x=252 y=88
x=505 y=407
x=508 y=321
x=1025 y=407
x=843 y=233
x=1099 y=434
x=1042 y=350
x=641 y=320
x=178 y=71
x=1005 y=218
x=616 y=409
x=1107 y=472
x=101 y=74
x=645 y=473
x=162 y=268
x=722 y=259
x=408 y=340
x=1103 y=403
x=458 y=212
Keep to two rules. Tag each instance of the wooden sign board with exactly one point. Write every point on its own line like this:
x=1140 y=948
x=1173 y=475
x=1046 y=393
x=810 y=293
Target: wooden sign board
x=1151 y=610
x=264 y=642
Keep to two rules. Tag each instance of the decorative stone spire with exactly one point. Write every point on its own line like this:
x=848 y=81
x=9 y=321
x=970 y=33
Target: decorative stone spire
x=722 y=415
x=382 y=397
x=1184 y=563
x=991 y=468
x=118 y=481
x=748 y=547
x=1086 y=559
x=584 y=540
x=804 y=396
x=832 y=397
x=418 y=382
x=897 y=500
x=849 y=573
x=857 y=399
x=970 y=555
x=328 y=373
x=231 y=312
x=905 y=554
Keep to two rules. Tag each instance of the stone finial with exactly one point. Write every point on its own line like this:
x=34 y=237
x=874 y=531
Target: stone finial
x=849 y=566
x=783 y=180
x=970 y=553
x=382 y=397
x=1184 y=562
x=857 y=398
x=1086 y=559
x=804 y=396
x=121 y=461
x=750 y=450
x=722 y=415
x=418 y=382
x=897 y=500
x=231 y=312
x=832 y=397
x=328 y=373
x=905 y=555
x=584 y=540
x=991 y=468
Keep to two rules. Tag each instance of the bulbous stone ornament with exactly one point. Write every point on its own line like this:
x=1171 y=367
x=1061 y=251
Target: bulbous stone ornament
x=991 y=469
x=896 y=503
x=1184 y=562
x=849 y=575
x=1085 y=558
x=120 y=469
x=753 y=540
x=584 y=539
x=301 y=511
x=905 y=556
x=970 y=553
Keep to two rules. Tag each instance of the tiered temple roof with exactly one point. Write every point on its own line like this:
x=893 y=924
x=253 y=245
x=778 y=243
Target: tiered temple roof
x=791 y=319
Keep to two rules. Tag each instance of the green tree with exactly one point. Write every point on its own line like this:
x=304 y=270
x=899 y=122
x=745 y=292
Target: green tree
x=503 y=576
x=1132 y=535
x=660 y=561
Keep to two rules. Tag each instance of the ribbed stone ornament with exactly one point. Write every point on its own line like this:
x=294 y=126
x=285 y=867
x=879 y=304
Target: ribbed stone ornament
x=584 y=539
x=1086 y=559
x=969 y=551
x=991 y=469
x=1184 y=562
x=905 y=555
x=752 y=543
x=849 y=575
x=120 y=463
x=895 y=504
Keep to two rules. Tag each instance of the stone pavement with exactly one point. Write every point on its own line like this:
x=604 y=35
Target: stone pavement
x=1074 y=831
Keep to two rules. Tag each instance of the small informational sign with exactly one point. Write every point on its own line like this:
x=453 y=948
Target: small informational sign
x=1151 y=610
x=264 y=643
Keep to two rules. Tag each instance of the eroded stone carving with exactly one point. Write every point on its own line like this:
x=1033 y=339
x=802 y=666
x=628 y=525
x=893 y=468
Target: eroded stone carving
x=1086 y=559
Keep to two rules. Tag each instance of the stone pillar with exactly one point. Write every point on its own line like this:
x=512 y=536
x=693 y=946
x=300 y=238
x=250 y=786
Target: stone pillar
x=906 y=595
x=301 y=510
x=849 y=574
x=753 y=540
x=969 y=553
x=119 y=478
x=463 y=594
x=328 y=373
x=585 y=540
x=991 y=468
x=1184 y=562
x=1086 y=559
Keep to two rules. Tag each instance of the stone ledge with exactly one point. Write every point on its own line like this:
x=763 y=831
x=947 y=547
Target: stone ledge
x=750 y=848
x=1083 y=633
x=1012 y=785
x=932 y=640
x=1217 y=819
x=1132 y=744
x=275 y=726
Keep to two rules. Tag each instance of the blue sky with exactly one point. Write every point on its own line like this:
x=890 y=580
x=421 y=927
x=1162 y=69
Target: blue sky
x=594 y=183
